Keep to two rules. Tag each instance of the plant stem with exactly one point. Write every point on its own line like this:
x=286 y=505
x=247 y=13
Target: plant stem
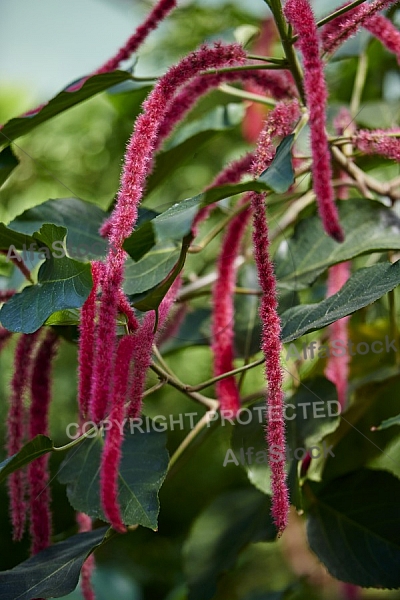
x=205 y=420
x=359 y=83
x=276 y=61
x=287 y=44
x=233 y=91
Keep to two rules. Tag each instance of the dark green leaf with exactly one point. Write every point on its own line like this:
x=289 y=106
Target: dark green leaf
x=364 y=287
x=233 y=520
x=353 y=526
x=280 y=174
x=37 y=447
x=10 y=238
x=8 y=162
x=142 y=472
x=62 y=283
x=52 y=573
x=63 y=101
x=81 y=219
x=368 y=227
x=153 y=268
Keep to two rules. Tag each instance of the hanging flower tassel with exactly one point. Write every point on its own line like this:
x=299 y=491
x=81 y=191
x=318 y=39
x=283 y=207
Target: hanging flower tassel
x=111 y=456
x=300 y=16
x=280 y=122
x=85 y=524
x=38 y=476
x=379 y=142
x=335 y=33
x=16 y=421
x=223 y=312
x=137 y=164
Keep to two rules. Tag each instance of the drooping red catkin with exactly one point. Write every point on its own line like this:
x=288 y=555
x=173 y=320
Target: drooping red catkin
x=300 y=16
x=280 y=122
x=86 y=342
x=337 y=366
x=277 y=84
x=223 y=310
x=126 y=308
x=136 y=167
x=5 y=335
x=16 y=421
x=159 y=12
x=385 y=32
x=271 y=347
x=112 y=448
x=85 y=524
x=378 y=142
x=337 y=31
x=38 y=476
x=145 y=338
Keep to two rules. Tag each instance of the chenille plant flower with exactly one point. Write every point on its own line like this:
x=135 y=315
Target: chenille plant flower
x=151 y=314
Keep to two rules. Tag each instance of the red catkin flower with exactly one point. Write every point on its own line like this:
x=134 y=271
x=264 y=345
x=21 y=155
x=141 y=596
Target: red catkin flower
x=385 y=32
x=137 y=163
x=159 y=12
x=145 y=338
x=280 y=122
x=85 y=524
x=112 y=448
x=337 y=367
x=378 y=142
x=16 y=429
x=38 y=476
x=86 y=342
x=300 y=15
x=223 y=311
x=337 y=31
x=4 y=337
x=277 y=84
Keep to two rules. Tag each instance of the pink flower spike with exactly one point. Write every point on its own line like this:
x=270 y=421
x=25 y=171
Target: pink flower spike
x=111 y=456
x=271 y=347
x=300 y=15
x=86 y=342
x=145 y=338
x=16 y=421
x=385 y=32
x=38 y=476
x=223 y=313
x=159 y=12
x=6 y=295
x=378 y=142
x=125 y=307
x=337 y=31
x=85 y=524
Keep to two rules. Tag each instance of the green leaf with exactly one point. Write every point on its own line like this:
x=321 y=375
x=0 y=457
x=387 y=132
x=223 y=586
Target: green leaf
x=63 y=283
x=9 y=238
x=368 y=226
x=52 y=573
x=142 y=471
x=280 y=174
x=233 y=520
x=363 y=288
x=14 y=128
x=37 y=447
x=388 y=423
x=81 y=219
x=187 y=141
x=353 y=526
x=150 y=270
x=8 y=162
